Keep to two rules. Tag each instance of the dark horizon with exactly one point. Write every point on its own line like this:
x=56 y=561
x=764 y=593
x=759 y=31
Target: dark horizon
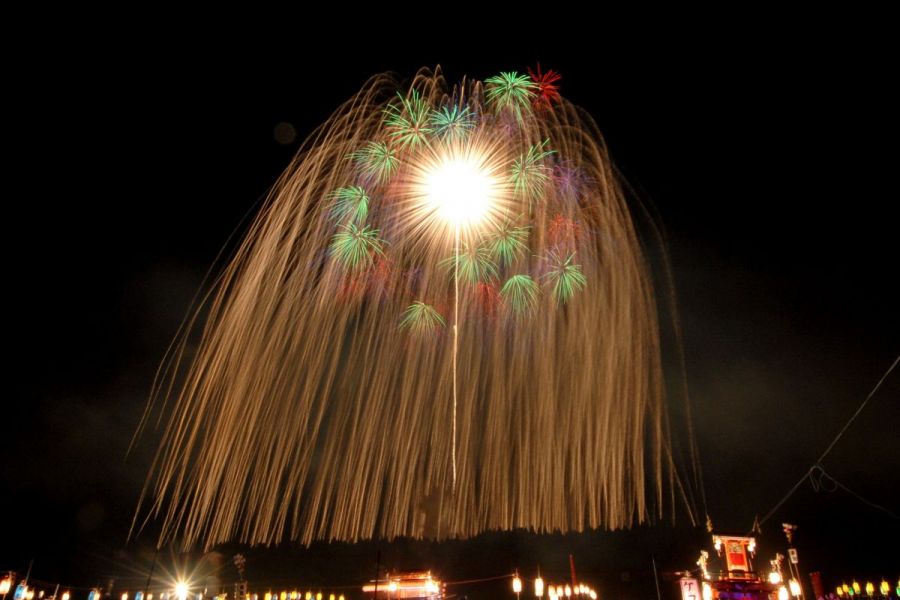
x=767 y=168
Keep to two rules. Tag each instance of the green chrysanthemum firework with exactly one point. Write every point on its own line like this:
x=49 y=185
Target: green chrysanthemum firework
x=452 y=122
x=510 y=90
x=350 y=203
x=474 y=262
x=508 y=243
x=565 y=276
x=520 y=292
x=377 y=159
x=408 y=120
x=421 y=318
x=529 y=173
x=356 y=247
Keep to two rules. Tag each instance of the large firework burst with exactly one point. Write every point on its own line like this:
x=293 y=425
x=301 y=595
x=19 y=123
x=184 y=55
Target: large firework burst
x=341 y=340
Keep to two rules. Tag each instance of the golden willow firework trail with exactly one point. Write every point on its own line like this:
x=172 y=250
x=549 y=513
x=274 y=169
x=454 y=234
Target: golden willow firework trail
x=440 y=323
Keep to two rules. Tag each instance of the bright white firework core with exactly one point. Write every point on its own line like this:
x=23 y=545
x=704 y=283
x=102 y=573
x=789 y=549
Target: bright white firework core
x=460 y=190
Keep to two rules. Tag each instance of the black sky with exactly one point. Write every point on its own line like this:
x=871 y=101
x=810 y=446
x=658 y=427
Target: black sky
x=769 y=155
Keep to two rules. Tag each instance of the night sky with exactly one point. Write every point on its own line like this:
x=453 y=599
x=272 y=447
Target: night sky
x=768 y=157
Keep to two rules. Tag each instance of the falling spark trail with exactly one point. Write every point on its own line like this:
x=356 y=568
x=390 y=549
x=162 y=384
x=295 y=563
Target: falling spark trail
x=307 y=398
x=455 y=341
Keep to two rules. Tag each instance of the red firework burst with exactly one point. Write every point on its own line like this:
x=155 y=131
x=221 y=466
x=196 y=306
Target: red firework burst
x=563 y=231
x=379 y=276
x=548 y=89
x=487 y=296
x=352 y=288
x=373 y=282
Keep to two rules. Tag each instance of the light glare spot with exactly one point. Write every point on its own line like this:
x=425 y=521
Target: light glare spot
x=460 y=190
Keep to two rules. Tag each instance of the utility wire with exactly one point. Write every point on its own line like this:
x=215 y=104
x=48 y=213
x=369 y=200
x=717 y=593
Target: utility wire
x=817 y=466
x=818 y=476
x=858 y=410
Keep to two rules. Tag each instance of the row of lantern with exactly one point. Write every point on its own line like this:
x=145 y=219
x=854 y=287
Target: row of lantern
x=294 y=595
x=555 y=592
x=183 y=595
x=854 y=589
x=180 y=592
x=23 y=592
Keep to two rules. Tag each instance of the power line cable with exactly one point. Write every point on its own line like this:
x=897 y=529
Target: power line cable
x=817 y=466
x=818 y=477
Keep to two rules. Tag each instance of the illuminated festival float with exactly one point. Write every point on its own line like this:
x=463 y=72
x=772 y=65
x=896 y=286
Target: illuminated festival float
x=736 y=579
x=440 y=323
x=420 y=585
